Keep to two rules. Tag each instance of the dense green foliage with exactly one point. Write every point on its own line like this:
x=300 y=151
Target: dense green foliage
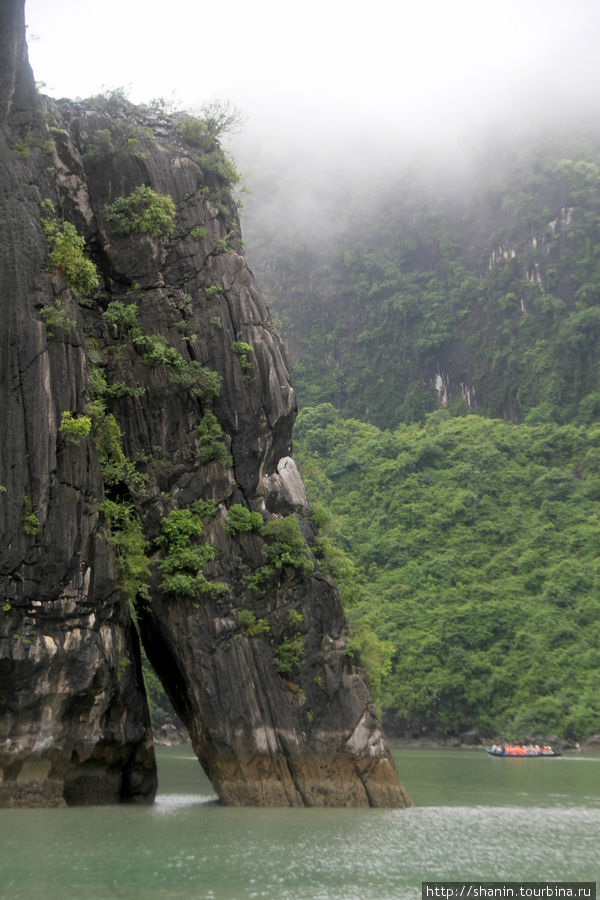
x=240 y=518
x=142 y=212
x=465 y=548
x=157 y=351
x=253 y=627
x=74 y=429
x=202 y=134
x=476 y=552
x=210 y=437
x=242 y=351
x=66 y=247
x=126 y=535
x=195 y=132
x=289 y=655
x=220 y=167
x=286 y=546
x=183 y=565
x=31 y=523
x=477 y=290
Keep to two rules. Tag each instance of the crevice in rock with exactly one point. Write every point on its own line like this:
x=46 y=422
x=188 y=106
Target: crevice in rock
x=165 y=665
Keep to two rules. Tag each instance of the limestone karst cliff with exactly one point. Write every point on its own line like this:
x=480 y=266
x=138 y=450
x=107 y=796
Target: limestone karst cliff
x=146 y=478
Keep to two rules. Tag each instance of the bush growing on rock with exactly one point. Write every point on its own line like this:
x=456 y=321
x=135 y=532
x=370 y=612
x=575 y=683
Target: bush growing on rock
x=182 y=568
x=126 y=535
x=239 y=518
x=251 y=625
x=286 y=546
x=74 y=429
x=212 y=447
x=66 y=255
x=31 y=523
x=142 y=212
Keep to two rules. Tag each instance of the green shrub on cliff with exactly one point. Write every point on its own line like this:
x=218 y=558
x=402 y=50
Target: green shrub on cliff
x=240 y=518
x=31 y=523
x=182 y=567
x=126 y=536
x=374 y=655
x=218 y=119
x=188 y=374
x=100 y=144
x=157 y=350
x=115 y=466
x=74 y=428
x=210 y=437
x=253 y=627
x=55 y=315
x=142 y=212
x=124 y=316
x=66 y=254
x=242 y=351
x=285 y=546
x=108 y=441
x=289 y=655
x=196 y=378
x=195 y=132
x=216 y=163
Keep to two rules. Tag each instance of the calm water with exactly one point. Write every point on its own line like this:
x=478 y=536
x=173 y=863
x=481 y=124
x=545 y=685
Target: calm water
x=474 y=818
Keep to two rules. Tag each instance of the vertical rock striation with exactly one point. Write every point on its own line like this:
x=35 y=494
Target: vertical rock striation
x=74 y=723
x=148 y=470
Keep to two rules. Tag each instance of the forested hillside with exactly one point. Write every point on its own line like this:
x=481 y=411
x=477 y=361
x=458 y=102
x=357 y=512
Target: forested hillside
x=474 y=288
x=466 y=545
x=476 y=571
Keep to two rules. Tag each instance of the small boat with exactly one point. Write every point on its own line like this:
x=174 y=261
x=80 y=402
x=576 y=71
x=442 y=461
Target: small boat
x=517 y=751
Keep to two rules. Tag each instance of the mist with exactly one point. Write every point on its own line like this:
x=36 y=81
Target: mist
x=449 y=88
x=340 y=98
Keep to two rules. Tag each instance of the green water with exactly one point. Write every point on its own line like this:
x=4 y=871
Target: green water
x=475 y=818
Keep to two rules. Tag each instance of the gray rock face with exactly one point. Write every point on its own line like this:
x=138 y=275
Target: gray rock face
x=74 y=725
x=146 y=469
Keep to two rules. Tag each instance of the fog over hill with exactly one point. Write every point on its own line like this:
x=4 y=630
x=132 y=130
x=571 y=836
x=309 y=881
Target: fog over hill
x=333 y=91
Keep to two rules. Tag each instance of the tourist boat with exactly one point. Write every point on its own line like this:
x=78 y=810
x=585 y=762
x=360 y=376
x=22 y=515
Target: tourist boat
x=518 y=751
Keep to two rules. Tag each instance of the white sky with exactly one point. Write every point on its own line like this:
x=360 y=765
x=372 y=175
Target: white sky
x=325 y=60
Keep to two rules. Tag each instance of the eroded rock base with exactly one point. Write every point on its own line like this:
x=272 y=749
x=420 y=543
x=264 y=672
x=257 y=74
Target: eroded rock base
x=344 y=782
x=109 y=775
